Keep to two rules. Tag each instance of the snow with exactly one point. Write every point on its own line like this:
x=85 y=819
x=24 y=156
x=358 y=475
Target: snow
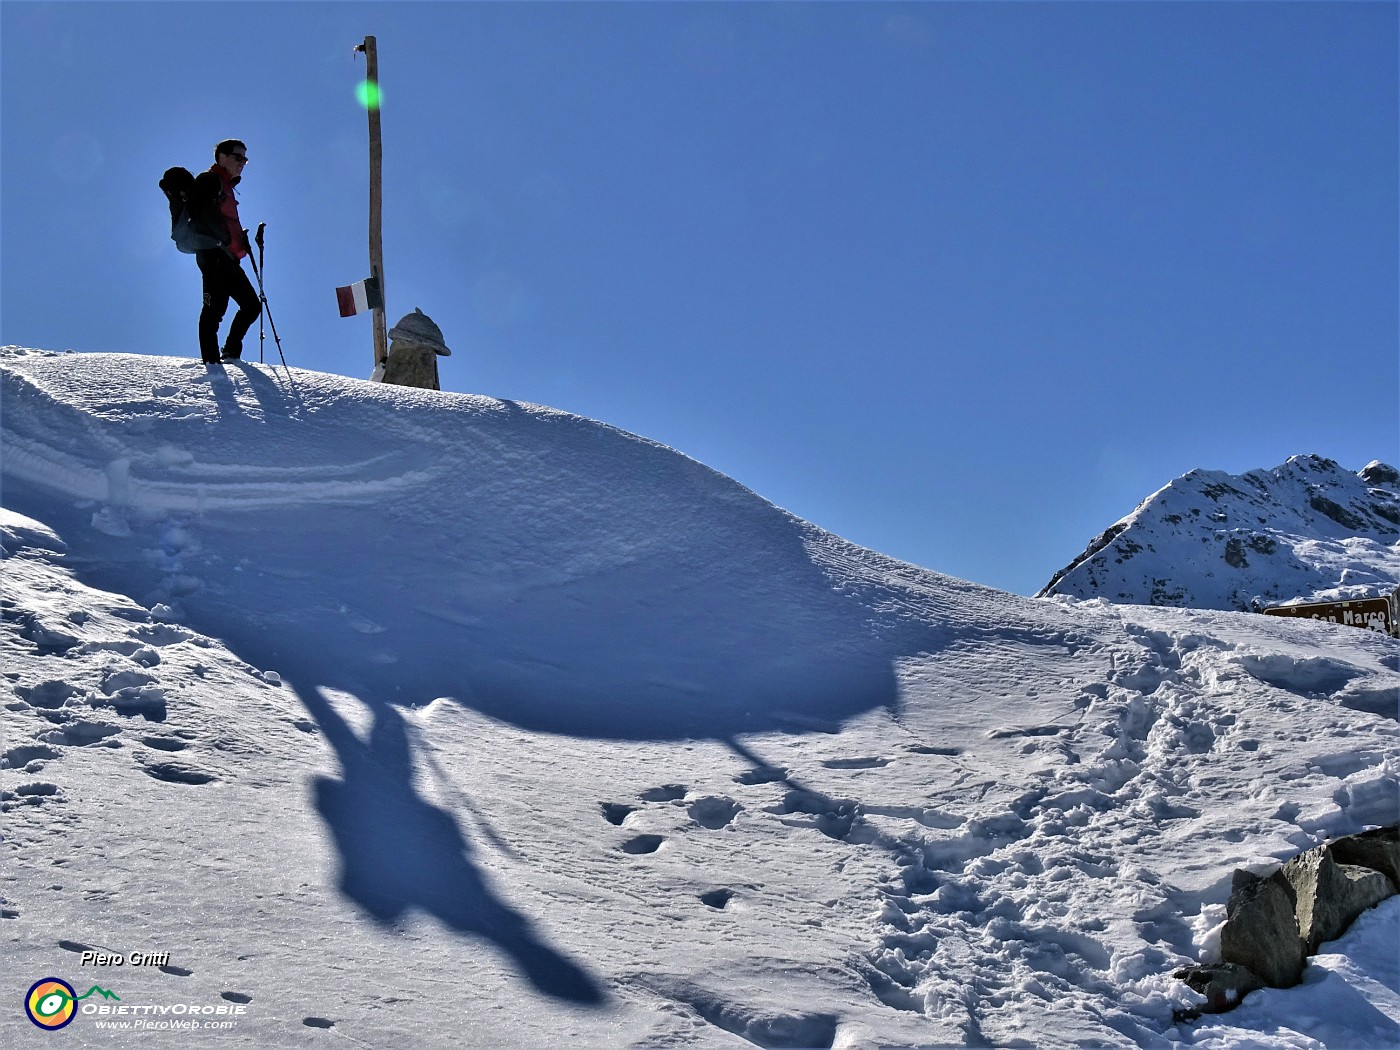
x=428 y=719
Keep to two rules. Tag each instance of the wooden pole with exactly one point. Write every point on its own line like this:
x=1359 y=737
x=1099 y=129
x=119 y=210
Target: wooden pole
x=376 y=213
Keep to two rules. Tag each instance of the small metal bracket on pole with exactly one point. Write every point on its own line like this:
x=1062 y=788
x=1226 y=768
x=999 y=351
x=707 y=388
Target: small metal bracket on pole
x=370 y=98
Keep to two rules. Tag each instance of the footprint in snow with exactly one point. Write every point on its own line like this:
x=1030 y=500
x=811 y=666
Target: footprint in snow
x=236 y=997
x=1009 y=732
x=317 y=1022
x=163 y=634
x=869 y=762
x=134 y=693
x=84 y=733
x=29 y=757
x=761 y=775
x=176 y=971
x=164 y=743
x=175 y=772
x=717 y=899
x=833 y=817
x=49 y=695
x=640 y=845
x=664 y=793
x=615 y=812
x=926 y=749
x=136 y=651
x=714 y=812
x=47 y=639
x=27 y=795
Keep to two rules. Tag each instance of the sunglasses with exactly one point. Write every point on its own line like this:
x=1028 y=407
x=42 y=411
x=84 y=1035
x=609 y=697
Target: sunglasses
x=238 y=157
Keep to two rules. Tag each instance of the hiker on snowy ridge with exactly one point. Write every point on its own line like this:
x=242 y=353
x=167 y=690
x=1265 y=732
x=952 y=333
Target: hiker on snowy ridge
x=214 y=207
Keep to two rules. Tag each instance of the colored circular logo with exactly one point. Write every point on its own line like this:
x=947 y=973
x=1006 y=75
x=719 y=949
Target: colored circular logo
x=51 y=1003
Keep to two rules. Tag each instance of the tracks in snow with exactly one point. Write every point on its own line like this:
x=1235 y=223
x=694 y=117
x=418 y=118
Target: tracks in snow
x=88 y=671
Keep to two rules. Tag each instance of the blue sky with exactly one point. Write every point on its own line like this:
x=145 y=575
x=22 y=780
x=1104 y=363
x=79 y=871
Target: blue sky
x=962 y=282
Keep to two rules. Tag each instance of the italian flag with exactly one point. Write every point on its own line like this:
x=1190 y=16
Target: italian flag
x=359 y=297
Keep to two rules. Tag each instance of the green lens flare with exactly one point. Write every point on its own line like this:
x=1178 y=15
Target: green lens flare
x=368 y=94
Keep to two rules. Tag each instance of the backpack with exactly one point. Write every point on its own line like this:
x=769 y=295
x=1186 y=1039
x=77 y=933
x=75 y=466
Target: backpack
x=189 y=233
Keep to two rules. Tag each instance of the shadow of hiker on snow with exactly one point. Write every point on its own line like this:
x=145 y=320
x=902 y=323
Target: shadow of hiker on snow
x=276 y=392
x=399 y=852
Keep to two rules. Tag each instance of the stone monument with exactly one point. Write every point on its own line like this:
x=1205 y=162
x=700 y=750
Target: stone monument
x=415 y=344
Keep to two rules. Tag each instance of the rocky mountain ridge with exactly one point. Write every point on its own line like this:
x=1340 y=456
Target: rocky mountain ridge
x=1307 y=530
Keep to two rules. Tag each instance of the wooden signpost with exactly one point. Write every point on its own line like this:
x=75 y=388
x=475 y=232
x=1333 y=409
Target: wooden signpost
x=1376 y=614
x=369 y=97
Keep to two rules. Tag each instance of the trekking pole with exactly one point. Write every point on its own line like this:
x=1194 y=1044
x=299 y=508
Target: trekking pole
x=262 y=298
x=261 y=226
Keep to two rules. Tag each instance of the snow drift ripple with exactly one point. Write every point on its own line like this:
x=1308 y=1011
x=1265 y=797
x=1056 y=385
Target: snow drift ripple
x=206 y=488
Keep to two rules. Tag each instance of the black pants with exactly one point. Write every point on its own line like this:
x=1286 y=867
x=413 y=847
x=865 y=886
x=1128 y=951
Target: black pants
x=224 y=279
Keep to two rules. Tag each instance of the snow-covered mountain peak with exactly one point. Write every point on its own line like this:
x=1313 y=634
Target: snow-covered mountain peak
x=1308 y=529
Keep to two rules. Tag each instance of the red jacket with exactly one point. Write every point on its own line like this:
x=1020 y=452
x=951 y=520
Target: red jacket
x=228 y=210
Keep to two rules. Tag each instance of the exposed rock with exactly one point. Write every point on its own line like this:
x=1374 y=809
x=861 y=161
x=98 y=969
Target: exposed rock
x=1378 y=850
x=1097 y=544
x=415 y=344
x=1223 y=984
x=1273 y=923
x=1378 y=473
x=1330 y=895
x=1261 y=929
